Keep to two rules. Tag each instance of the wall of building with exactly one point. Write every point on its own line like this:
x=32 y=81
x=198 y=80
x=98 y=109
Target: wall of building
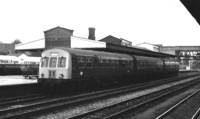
x=58 y=37
x=112 y=40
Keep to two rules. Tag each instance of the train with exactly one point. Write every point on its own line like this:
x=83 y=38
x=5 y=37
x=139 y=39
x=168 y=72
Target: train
x=65 y=66
x=13 y=65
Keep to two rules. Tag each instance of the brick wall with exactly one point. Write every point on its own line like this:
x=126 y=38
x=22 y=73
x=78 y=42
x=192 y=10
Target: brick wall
x=58 y=37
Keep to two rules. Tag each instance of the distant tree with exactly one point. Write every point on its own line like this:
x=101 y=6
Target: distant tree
x=16 y=41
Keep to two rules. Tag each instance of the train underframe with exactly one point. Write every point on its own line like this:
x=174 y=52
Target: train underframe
x=88 y=82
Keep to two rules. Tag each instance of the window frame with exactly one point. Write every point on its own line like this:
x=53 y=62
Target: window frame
x=46 y=64
x=60 y=63
x=50 y=62
x=89 y=60
x=81 y=62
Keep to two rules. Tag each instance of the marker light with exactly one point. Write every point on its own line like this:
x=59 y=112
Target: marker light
x=61 y=76
x=42 y=75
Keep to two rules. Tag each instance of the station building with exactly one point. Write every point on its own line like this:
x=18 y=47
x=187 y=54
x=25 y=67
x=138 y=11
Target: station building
x=62 y=37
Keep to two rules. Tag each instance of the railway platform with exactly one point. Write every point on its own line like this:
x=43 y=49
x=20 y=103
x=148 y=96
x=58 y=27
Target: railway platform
x=19 y=79
x=15 y=80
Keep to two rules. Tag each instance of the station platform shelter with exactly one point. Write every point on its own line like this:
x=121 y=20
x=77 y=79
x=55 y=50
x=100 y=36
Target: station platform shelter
x=62 y=37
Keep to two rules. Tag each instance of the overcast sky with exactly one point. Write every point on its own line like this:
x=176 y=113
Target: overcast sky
x=164 y=22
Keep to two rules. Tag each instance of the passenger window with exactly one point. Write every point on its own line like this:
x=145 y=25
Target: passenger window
x=113 y=63
x=61 y=61
x=132 y=63
x=81 y=62
x=107 y=63
x=117 y=63
x=129 y=63
x=101 y=63
x=45 y=61
x=89 y=63
x=123 y=63
x=53 y=61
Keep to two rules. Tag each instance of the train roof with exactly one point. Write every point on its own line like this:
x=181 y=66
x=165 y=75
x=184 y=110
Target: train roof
x=149 y=58
x=102 y=54
x=92 y=53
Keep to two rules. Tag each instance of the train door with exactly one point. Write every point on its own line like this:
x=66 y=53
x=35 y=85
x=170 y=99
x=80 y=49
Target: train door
x=74 y=66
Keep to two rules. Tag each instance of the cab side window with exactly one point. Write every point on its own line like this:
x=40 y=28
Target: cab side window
x=45 y=61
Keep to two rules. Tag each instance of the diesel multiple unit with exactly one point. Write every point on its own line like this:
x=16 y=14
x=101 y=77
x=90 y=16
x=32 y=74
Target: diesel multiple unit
x=64 y=65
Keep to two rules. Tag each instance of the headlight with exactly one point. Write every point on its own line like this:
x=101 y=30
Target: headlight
x=61 y=76
x=42 y=75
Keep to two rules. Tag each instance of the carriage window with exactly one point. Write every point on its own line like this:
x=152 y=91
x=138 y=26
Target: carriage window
x=107 y=63
x=89 y=62
x=131 y=63
x=101 y=63
x=61 y=61
x=117 y=63
x=112 y=63
x=123 y=63
x=53 y=61
x=81 y=62
x=45 y=61
x=128 y=63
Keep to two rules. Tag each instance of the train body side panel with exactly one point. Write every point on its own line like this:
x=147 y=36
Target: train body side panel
x=147 y=66
x=96 y=70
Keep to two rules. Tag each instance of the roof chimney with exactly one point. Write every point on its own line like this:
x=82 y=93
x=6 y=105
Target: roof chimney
x=91 y=33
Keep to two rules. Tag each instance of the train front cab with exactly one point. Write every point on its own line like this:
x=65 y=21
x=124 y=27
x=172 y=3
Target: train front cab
x=55 y=67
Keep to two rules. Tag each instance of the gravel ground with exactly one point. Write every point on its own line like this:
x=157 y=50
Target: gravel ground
x=156 y=110
x=188 y=109
x=102 y=103
x=183 y=112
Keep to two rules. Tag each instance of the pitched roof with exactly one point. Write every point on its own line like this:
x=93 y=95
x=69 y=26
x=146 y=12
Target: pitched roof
x=58 y=27
x=110 y=36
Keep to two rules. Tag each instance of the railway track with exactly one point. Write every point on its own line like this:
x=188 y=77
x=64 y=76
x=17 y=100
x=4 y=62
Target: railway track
x=27 y=107
x=23 y=99
x=173 y=108
x=120 y=109
x=196 y=114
